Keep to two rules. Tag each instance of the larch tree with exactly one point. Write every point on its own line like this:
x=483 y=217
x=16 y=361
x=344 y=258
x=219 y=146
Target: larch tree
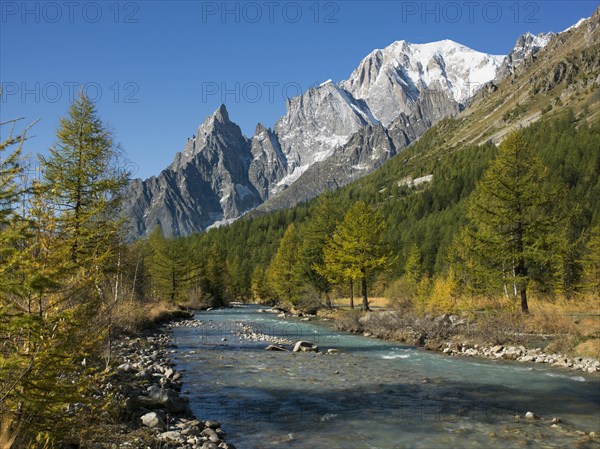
x=320 y=227
x=169 y=266
x=591 y=262
x=12 y=226
x=284 y=275
x=357 y=249
x=83 y=178
x=510 y=231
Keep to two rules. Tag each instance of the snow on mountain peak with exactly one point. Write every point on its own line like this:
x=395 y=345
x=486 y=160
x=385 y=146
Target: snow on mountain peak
x=390 y=80
x=572 y=27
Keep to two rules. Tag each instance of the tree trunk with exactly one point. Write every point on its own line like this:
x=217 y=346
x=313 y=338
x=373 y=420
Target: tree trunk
x=351 y=295
x=522 y=273
x=328 y=301
x=173 y=284
x=524 y=307
x=365 y=300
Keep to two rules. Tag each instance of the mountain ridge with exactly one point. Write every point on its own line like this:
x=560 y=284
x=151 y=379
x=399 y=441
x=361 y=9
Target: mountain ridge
x=324 y=141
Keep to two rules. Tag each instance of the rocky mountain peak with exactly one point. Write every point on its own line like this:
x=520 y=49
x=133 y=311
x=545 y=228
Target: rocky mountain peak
x=221 y=115
x=523 y=53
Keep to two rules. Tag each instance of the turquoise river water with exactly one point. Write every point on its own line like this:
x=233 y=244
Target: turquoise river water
x=373 y=394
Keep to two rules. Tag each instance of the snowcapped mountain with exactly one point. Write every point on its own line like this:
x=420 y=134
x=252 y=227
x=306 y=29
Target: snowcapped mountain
x=207 y=183
x=329 y=136
x=391 y=80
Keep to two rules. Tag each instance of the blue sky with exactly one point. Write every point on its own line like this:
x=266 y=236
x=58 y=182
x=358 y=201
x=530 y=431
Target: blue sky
x=157 y=68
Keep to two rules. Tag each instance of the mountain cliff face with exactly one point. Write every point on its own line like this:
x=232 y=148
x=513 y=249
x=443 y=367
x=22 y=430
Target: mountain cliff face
x=523 y=53
x=329 y=136
x=206 y=183
x=269 y=164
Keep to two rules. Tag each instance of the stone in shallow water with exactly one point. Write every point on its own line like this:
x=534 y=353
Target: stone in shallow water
x=275 y=348
x=305 y=346
x=530 y=416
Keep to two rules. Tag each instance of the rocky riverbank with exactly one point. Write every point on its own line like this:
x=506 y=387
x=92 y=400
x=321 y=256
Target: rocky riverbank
x=147 y=387
x=453 y=336
x=518 y=353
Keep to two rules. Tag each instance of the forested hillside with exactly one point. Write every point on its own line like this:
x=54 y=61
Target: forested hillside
x=426 y=215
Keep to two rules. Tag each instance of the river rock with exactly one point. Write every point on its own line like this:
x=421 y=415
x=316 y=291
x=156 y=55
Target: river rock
x=125 y=367
x=531 y=416
x=212 y=424
x=211 y=434
x=209 y=445
x=305 y=346
x=275 y=348
x=157 y=396
x=154 y=420
x=173 y=435
x=332 y=351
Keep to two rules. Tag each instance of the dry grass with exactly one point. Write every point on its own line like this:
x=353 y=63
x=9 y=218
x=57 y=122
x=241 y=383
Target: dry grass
x=589 y=348
x=378 y=302
x=579 y=316
x=570 y=326
x=133 y=316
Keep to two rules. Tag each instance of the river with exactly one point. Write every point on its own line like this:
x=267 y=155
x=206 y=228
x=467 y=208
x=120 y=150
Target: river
x=373 y=394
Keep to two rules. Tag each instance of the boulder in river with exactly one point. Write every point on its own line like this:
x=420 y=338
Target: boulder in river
x=305 y=346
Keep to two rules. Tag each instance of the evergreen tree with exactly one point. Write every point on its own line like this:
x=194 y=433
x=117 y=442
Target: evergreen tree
x=412 y=267
x=284 y=274
x=214 y=277
x=510 y=231
x=591 y=262
x=82 y=182
x=357 y=249
x=168 y=265
x=13 y=228
x=48 y=325
x=321 y=224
